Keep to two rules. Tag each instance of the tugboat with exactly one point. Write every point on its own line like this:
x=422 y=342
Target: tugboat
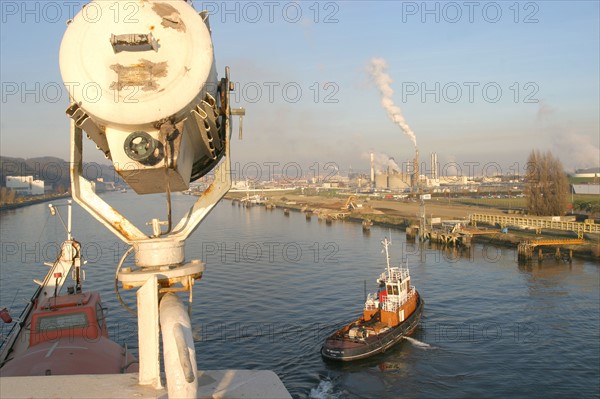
x=388 y=316
x=63 y=333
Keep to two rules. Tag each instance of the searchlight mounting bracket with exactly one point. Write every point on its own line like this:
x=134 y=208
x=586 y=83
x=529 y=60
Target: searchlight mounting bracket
x=152 y=251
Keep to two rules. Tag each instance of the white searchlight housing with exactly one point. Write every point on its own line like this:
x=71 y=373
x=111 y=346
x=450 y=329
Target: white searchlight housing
x=142 y=79
x=143 y=83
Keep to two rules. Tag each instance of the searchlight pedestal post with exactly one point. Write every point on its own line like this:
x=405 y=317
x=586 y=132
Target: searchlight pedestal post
x=161 y=265
x=164 y=120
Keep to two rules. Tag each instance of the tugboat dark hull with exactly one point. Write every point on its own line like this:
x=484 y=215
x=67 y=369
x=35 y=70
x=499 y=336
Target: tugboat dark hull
x=348 y=349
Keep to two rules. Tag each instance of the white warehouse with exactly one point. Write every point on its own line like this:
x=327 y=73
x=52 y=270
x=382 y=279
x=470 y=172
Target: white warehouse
x=25 y=185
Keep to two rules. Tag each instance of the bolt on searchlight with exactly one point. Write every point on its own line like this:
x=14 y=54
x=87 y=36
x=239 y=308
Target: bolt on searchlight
x=163 y=117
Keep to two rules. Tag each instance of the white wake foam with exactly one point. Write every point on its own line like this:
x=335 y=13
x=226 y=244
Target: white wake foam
x=324 y=390
x=419 y=344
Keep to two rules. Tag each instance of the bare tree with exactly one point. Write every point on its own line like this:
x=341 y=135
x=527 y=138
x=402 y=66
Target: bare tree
x=7 y=196
x=547 y=185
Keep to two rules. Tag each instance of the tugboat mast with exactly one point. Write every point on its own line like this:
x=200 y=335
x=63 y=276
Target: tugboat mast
x=386 y=243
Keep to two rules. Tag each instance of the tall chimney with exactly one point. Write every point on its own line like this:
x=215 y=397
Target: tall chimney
x=416 y=169
x=434 y=166
x=372 y=170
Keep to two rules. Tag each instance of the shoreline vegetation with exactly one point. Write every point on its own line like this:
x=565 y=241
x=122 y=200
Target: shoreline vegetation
x=404 y=213
x=32 y=201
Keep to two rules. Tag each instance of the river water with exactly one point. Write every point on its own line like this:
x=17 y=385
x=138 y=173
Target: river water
x=275 y=286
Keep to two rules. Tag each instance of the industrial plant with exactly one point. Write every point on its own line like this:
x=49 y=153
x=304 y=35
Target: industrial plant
x=411 y=175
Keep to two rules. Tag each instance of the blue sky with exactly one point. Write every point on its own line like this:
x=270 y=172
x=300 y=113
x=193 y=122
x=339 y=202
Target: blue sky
x=543 y=57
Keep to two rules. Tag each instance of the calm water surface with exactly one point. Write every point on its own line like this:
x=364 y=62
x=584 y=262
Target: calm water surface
x=276 y=286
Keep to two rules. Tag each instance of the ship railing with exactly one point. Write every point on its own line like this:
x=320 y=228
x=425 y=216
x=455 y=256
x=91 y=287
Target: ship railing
x=392 y=304
x=19 y=324
x=371 y=303
x=395 y=274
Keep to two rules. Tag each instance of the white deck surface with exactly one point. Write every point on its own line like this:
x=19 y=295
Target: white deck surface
x=223 y=384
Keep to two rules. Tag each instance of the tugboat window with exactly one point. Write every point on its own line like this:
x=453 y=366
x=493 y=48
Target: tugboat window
x=60 y=322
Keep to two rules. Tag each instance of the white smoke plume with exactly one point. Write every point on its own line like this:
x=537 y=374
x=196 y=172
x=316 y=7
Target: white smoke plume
x=393 y=166
x=377 y=70
x=577 y=151
x=383 y=162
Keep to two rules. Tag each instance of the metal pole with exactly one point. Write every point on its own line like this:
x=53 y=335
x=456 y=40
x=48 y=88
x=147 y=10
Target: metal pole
x=70 y=213
x=572 y=199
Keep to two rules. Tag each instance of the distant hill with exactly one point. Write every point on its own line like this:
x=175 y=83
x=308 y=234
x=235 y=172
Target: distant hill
x=54 y=171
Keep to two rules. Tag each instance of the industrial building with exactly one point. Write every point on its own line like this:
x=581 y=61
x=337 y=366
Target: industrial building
x=394 y=181
x=590 y=172
x=409 y=178
x=100 y=186
x=589 y=189
x=25 y=185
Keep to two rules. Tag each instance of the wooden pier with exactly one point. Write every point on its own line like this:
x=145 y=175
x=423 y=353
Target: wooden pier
x=527 y=249
x=366 y=224
x=455 y=237
x=536 y=223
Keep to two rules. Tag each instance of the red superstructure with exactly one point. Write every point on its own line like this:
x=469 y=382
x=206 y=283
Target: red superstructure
x=76 y=315
x=63 y=333
x=68 y=335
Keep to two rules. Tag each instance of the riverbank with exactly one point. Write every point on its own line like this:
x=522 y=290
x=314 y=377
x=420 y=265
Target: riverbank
x=45 y=198
x=402 y=214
